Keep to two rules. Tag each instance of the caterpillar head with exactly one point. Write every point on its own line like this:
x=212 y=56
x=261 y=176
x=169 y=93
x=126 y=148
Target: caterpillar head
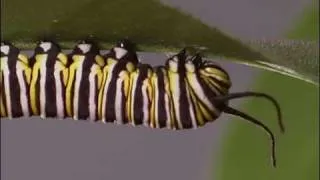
x=215 y=74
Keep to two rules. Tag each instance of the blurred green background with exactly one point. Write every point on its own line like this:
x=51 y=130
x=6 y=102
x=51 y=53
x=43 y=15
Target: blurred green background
x=246 y=148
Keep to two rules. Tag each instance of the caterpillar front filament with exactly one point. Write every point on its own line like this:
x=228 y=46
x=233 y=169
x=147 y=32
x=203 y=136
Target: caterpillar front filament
x=187 y=92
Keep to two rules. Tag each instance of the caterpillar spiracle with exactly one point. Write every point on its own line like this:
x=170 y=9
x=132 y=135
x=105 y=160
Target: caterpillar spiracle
x=187 y=92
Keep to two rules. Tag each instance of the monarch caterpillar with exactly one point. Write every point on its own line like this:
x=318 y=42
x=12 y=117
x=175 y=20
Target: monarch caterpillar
x=187 y=92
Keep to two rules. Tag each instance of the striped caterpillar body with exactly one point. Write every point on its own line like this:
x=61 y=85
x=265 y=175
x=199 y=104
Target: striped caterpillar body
x=187 y=92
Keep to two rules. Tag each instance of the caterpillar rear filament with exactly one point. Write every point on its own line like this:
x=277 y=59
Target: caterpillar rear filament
x=187 y=92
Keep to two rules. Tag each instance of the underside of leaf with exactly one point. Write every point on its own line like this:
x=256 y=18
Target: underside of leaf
x=153 y=26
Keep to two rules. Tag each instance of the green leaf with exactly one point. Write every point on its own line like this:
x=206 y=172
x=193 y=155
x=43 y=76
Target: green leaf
x=296 y=58
x=153 y=26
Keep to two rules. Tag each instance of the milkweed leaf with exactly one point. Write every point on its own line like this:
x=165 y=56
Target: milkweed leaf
x=150 y=24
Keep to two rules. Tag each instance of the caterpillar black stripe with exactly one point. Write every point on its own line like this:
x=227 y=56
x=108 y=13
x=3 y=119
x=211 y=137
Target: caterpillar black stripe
x=187 y=92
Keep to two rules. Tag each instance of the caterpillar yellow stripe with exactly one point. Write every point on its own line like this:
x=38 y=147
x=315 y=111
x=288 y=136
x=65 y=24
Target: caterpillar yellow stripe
x=187 y=92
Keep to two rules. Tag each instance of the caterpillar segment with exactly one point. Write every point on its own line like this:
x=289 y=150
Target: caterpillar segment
x=48 y=82
x=84 y=82
x=113 y=95
x=15 y=80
